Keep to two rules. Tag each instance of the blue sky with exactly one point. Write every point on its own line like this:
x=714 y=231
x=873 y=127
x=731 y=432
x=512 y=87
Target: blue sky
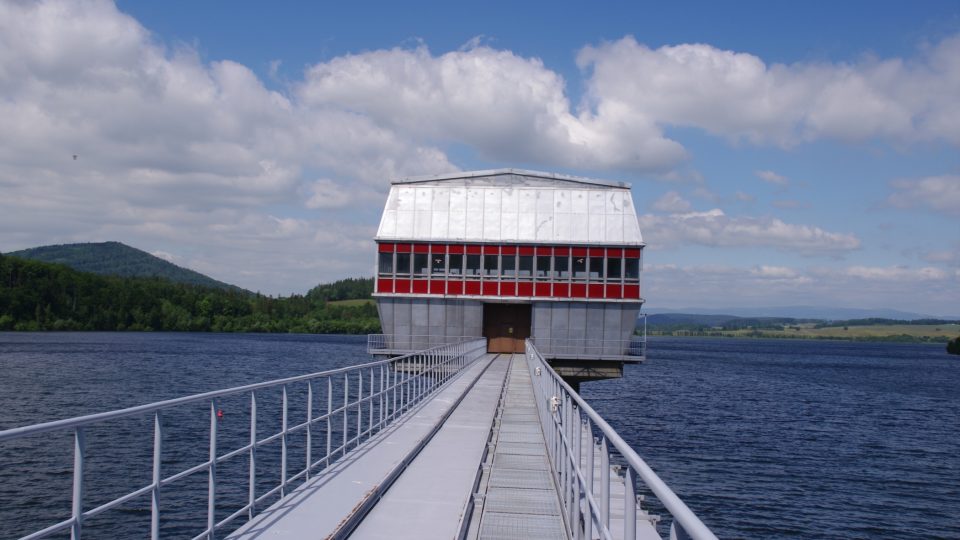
x=780 y=154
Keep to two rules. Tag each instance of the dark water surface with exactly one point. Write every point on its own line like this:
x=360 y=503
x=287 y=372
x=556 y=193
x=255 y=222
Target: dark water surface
x=763 y=439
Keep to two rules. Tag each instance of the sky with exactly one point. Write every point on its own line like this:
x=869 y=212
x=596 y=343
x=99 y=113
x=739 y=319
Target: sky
x=780 y=153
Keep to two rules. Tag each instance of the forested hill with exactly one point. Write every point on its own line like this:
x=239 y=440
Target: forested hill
x=44 y=296
x=117 y=259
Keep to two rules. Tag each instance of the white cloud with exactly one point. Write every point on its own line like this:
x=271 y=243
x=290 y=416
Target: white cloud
x=744 y=197
x=671 y=201
x=895 y=273
x=738 y=95
x=715 y=228
x=938 y=193
x=773 y=178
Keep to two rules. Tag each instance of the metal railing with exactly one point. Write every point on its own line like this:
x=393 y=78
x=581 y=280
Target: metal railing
x=392 y=343
x=360 y=402
x=565 y=417
x=636 y=346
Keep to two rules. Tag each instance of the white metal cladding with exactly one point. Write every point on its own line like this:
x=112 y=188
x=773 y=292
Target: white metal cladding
x=510 y=206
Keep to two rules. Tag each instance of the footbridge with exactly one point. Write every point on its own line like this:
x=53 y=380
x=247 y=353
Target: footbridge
x=448 y=442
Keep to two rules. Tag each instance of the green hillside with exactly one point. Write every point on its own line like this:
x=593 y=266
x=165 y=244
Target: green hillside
x=44 y=296
x=117 y=259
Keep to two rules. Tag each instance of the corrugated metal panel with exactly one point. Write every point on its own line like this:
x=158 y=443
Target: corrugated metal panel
x=510 y=207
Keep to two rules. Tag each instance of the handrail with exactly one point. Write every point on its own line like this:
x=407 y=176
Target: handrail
x=562 y=413
x=370 y=397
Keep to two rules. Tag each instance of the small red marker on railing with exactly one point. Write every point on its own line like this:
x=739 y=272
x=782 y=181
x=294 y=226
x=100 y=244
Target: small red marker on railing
x=220 y=414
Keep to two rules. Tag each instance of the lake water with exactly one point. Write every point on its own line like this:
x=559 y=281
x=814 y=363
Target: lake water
x=763 y=439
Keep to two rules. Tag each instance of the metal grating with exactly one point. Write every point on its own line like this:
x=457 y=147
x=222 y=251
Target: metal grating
x=497 y=526
x=521 y=479
x=520 y=448
x=521 y=437
x=522 y=501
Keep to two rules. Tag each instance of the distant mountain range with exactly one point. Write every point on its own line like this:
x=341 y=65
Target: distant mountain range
x=117 y=259
x=802 y=312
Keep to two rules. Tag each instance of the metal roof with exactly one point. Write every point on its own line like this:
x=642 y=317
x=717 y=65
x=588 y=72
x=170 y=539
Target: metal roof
x=509 y=205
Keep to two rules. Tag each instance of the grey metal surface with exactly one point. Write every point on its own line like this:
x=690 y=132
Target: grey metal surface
x=321 y=506
x=429 y=498
x=519 y=500
x=510 y=206
x=585 y=330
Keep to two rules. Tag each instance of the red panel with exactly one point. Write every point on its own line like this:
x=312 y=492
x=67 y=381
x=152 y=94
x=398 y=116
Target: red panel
x=436 y=286
x=508 y=250
x=631 y=291
x=438 y=248
x=526 y=250
x=544 y=250
x=595 y=290
x=420 y=286
x=561 y=290
x=508 y=288
x=578 y=290
x=596 y=252
x=490 y=288
x=472 y=288
x=403 y=248
x=525 y=288
x=561 y=251
x=454 y=287
x=542 y=289
x=455 y=249
x=491 y=250
x=385 y=248
x=421 y=248
x=474 y=250
x=579 y=252
x=614 y=252
x=613 y=291
x=385 y=285
x=402 y=286
x=634 y=253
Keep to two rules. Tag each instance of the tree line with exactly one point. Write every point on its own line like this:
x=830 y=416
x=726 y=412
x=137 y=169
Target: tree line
x=44 y=296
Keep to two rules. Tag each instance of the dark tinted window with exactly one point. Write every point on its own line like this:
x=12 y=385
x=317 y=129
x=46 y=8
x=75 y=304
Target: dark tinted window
x=633 y=269
x=526 y=266
x=456 y=265
x=543 y=266
x=509 y=265
x=490 y=265
x=473 y=265
x=438 y=264
x=614 y=268
x=386 y=263
x=579 y=267
x=561 y=267
x=421 y=263
x=403 y=263
x=596 y=267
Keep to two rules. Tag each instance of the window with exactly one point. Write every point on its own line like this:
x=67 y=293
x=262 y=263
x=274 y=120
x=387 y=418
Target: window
x=456 y=265
x=543 y=266
x=473 y=265
x=526 y=266
x=509 y=265
x=596 y=268
x=614 y=268
x=403 y=264
x=561 y=266
x=580 y=267
x=438 y=263
x=421 y=264
x=633 y=269
x=386 y=263
x=491 y=265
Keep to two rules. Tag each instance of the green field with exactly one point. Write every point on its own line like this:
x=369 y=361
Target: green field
x=940 y=333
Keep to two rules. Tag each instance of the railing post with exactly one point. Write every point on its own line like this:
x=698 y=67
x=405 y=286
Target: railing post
x=382 y=398
x=346 y=399
x=590 y=450
x=212 y=473
x=370 y=405
x=283 y=444
x=79 y=451
x=309 y=436
x=329 y=417
x=155 y=492
x=604 y=484
x=629 y=505
x=359 y=405
x=252 y=480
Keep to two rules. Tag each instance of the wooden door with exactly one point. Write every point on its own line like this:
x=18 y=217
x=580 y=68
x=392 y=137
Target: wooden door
x=506 y=326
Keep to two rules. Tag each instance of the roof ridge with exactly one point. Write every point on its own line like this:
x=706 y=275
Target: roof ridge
x=504 y=171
